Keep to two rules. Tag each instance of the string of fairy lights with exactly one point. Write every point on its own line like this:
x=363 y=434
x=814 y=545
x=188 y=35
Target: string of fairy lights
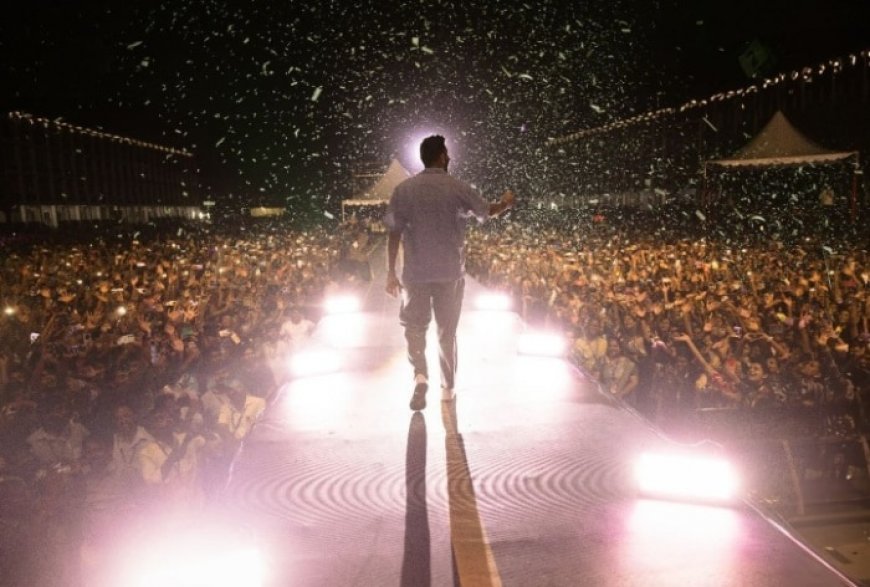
x=46 y=123
x=805 y=75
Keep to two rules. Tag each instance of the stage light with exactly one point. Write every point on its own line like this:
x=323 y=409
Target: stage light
x=345 y=331
x=178 y=548
x=121 y=311
x=547 y=344
x=203 y=569
x=493 y=301
x=312 y=362
x=9 y=310
x=341 y=304
x=686 y=476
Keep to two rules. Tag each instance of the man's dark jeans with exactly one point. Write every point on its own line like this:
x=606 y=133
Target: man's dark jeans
x=419 y=300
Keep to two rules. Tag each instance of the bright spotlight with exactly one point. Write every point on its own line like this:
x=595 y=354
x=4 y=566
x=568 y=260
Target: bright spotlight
x=690 y=477
x=315 y=362
x=497 y=302
x=412 y=148
x=341 y=304
x=547 y=344
x=9 y=310
x=121 y=311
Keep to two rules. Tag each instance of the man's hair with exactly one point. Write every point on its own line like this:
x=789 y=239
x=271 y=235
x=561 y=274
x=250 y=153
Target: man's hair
x=431 y=148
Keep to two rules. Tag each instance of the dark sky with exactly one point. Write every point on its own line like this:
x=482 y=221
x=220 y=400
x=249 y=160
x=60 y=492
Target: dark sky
x=282 y=98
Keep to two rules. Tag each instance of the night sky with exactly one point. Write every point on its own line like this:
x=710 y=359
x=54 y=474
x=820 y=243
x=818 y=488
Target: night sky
x=280 y=99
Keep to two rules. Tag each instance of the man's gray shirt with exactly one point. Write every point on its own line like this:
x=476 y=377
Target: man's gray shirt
x=430 y=210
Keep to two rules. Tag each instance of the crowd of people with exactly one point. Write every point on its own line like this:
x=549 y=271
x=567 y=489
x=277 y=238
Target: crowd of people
x=675 y=324
x=133 y=365
x=756 y=341
x=131 y=368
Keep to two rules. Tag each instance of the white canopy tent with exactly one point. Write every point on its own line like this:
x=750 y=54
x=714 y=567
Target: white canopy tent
x=379 y=193
x=779 y=143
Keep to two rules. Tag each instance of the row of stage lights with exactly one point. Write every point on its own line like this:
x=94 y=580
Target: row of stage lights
x=224 y=555
x=700 y=474
x=806 y=74
x=342 y=310
x=46 y=123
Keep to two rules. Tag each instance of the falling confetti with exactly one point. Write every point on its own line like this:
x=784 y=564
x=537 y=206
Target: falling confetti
x=285 y=102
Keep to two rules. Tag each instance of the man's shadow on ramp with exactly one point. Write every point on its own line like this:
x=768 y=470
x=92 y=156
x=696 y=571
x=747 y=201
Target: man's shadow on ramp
x=471 y=555
x=416 y=563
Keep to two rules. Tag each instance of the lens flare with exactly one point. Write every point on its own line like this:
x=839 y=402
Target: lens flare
x=185 y=569
x=546 y=344
x=341 y=304
x=493 y=301
x=312 y=362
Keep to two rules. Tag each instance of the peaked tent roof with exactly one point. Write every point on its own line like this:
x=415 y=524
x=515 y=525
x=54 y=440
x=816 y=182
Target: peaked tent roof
x=383 y=187
x=780 y=143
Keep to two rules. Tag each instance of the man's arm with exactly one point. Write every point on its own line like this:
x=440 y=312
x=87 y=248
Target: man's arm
x=393 y=251
x=496 y=208
x=393 y=283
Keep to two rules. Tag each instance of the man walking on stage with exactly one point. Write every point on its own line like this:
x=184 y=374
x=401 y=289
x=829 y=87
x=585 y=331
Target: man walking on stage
x=427 y=216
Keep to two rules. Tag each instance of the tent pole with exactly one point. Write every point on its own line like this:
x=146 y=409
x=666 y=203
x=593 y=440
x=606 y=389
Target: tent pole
x=853 y=200
x=705 y=197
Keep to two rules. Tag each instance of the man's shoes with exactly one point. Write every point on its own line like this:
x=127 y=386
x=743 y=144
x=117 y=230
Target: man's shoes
x=418 y=400
x=448 y=394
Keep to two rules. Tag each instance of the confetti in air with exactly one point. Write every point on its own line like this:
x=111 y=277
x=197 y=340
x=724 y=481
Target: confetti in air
x=284 y=103
x=248 y=86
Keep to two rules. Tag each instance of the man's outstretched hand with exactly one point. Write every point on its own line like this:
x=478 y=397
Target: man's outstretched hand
x=394 y=286
x=508 y=199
